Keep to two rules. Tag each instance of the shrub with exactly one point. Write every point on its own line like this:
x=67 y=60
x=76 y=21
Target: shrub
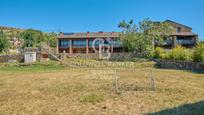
x=178 y=53
x=198 y=54
x=4 y=42
x=91 y=98
x=159 y=53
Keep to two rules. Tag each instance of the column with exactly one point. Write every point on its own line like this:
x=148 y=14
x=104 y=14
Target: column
x=174 y=41
x=87 y=46
x=196 y=40
x=111 y=48
x=70 y=47
x=57 y=46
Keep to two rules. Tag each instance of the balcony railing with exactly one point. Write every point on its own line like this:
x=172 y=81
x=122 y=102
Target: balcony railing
x=185 y=42
x=167 y=42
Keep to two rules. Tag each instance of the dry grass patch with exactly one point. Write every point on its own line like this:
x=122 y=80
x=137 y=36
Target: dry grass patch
x=71 y=91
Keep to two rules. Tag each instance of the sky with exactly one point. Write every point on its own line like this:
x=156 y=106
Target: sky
x=98 y=15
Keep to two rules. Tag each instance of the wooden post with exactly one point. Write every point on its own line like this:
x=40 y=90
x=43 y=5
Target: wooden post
x=174 y=41
x=57 y=46
x=70 y=47
x=87 y=46
x=111 y=48
x=100 y=51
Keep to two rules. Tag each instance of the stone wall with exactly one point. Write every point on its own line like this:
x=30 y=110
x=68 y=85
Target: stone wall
x=181 y=65
x=95 y=56
x=126 y=56
x=11 y=57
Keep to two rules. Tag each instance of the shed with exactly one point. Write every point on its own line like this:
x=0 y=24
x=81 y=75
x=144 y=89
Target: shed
x=30 y=57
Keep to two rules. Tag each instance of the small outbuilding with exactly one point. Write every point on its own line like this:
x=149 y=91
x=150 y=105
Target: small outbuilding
x=30 y=57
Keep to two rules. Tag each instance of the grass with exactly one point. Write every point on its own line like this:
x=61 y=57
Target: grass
x=28 y=68
x=52 y=89
x=91 y=98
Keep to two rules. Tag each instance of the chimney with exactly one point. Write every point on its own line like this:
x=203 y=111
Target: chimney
x=61 y=33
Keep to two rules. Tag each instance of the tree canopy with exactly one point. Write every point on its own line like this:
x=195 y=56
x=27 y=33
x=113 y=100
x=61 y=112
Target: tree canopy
x=142 y=37
x=34 y=38
x=4 y=43
x=50 y=39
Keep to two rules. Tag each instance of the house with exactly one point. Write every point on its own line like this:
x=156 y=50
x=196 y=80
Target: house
x=183 y=36
x=89 y=42
x=84 y=42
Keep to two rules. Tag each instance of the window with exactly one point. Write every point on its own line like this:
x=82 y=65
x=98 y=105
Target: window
x=178 y=30
x=117 y=43
x=90 y=43
x=185 y=41
x=64 y=43
x=79 y=43
x=96 y=43
x=167 y=41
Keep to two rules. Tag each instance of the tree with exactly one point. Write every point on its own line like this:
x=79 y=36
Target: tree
x=50 y=39
x=198 y=54
x=141 y=38
x=201 y=42
x=32 y=38
x=4 y=43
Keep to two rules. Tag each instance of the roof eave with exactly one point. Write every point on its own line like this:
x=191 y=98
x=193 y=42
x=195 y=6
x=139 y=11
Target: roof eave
x=178 y=23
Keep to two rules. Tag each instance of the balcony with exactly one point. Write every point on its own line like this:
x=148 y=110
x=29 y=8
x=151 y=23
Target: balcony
x=185 y=42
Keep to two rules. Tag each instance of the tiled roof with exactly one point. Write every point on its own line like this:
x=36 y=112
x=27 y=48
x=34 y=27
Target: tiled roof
x=89 y=35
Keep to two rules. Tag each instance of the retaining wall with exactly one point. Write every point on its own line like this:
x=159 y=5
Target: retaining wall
x=181 y=65
x=10 y=57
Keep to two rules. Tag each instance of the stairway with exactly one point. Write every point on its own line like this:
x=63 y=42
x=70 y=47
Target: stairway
x=47 y=48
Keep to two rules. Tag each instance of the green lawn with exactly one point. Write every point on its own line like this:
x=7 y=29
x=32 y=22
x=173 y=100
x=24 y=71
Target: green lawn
x=37 y=67
x=52 y=89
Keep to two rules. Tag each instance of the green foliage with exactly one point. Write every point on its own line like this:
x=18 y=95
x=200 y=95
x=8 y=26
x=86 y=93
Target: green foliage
x=201 y=42
x=159 y=53
x=11 y=32
x=32 y=38
x=4 y=43
x=92 y=98
x=50 y=39
x=198 y=54
x=141 y=38
x=178 y=53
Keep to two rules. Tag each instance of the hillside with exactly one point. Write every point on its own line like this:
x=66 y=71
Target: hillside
x=11 y=32
x=14 y=35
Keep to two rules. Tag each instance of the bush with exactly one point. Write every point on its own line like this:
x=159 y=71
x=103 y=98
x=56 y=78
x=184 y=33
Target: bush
x=198 y=54
x=4 y=42
x=159 y=53
x=178 y=53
